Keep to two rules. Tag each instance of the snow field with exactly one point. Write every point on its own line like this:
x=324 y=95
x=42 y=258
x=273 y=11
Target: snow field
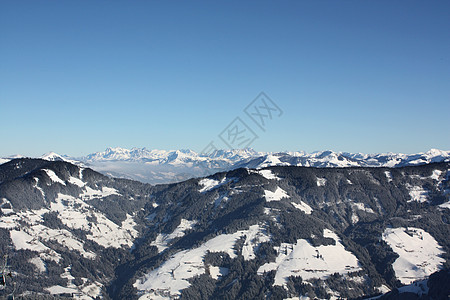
x=321 y=181
x=87 y=291
x=76 y=181
x=271 y=160
x=388 y=176
x=445 y=205
x=419 y=253
x=172 y=276
x=268 y=174
x=74 y=213
x=417 y=193
x=275 y=196
x=208 y=184
x=3 y=207
x=303 y=259
x=54 y=177
x=30 y=237
x=39 y=188
x=218 y=272
x=303 y=207
x=38 y=263
x=436 y=175
x=90 y=193
x=362 y=206
x=162 y=240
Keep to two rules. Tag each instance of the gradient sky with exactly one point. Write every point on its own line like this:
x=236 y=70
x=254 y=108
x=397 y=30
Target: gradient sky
x=357 y=76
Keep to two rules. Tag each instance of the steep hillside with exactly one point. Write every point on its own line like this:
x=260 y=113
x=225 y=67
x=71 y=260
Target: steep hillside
x=274 y=233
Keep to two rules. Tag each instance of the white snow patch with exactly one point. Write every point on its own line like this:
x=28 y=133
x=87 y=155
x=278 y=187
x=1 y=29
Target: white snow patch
x=90 y=193
x=388 y=176
x=173 y=275
x=436 y=174
x=162 y=240
x=92 y=290
x=4 y=160
x=363 y=207
x=62 y=237
x=76 y=181
x=445 y=205
x=208 y=184
x=36 y=185
x=354 y=219
x=417 y=193
x=74 y=213
x=303 y=207
x=7 y=211
x=303 y=259
x=57 y=289
x=88 y=290
x=253 y=238
x=31 y=236
x=8 y=222
x=23 y=241
x=383 y=289
x=321 y=181
x=218 y=272
x=275 y=196
x=271 y=160
x=419 y=288
x=268 y=174
x=6 y=207
x=419 y=253
x=54 y=177
x=38 y=263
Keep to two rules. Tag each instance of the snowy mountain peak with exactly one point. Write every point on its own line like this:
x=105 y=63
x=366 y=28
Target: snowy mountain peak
x=52 y=156
x=164 y=166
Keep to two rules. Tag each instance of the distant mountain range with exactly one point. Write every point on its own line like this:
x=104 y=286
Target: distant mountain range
x=161 y=166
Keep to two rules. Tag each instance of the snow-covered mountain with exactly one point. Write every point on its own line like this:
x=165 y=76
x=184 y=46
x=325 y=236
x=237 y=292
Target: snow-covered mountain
x=161 y=166
x=50 y=156
x=282 y=232
x=228 y=158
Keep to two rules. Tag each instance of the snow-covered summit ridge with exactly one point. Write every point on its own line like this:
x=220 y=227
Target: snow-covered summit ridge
x=326 y=158
x=168 y=166
x=251 y=158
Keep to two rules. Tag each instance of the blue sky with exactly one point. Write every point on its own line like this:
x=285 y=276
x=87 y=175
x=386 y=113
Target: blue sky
x=357 y=76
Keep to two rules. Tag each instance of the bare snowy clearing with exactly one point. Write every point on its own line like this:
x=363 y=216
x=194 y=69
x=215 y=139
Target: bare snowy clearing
x=303 y=207
x=275 y=196
x=174 y=274
x=162 y=240
x=419 y=253
x=417 y=193
x=321 y=181
x=303 y=259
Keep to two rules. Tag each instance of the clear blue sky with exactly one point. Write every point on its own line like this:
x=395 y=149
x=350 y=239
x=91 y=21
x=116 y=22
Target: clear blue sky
x=358 y=76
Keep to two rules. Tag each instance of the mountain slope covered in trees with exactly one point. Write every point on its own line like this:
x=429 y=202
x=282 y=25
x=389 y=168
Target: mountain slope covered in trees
x=274 y=233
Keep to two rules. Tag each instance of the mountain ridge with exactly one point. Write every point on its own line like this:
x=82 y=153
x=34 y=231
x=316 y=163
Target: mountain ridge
x=162 y=166
x=239 y=234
